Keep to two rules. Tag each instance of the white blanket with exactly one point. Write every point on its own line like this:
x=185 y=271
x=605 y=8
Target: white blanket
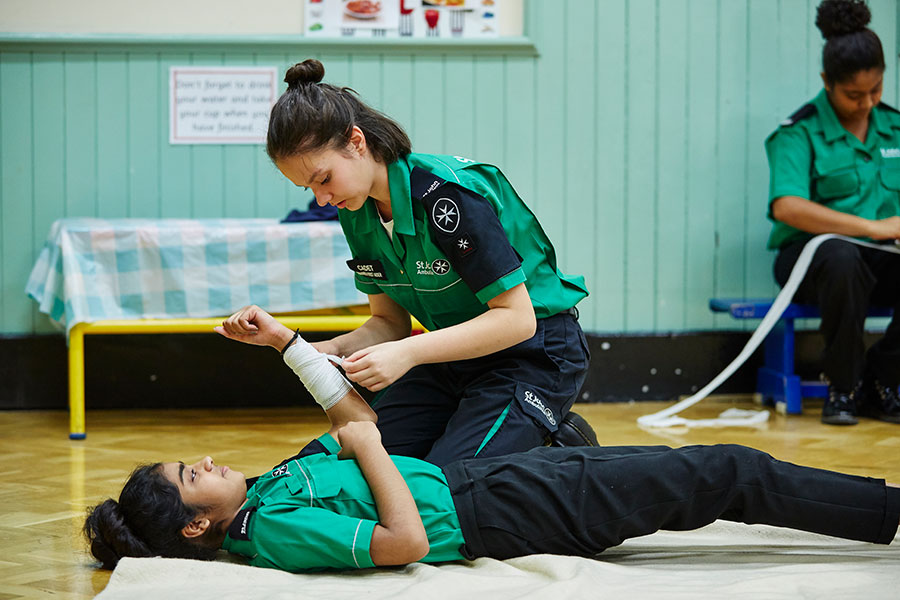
x=723 y=560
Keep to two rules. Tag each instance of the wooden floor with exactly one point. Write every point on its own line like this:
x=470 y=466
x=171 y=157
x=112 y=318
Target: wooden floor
x=47 y=481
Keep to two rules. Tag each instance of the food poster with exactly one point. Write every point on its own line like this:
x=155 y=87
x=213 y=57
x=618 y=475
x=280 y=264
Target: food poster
x=402 y=18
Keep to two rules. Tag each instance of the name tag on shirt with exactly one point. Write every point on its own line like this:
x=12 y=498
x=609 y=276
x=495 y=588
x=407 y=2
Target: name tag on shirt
x=367 y=268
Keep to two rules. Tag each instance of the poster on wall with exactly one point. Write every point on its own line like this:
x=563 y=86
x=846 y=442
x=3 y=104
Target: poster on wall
x=402 y=18
x=220 y=105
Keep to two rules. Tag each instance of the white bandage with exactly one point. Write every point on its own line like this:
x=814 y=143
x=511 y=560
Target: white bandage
x=322 y=379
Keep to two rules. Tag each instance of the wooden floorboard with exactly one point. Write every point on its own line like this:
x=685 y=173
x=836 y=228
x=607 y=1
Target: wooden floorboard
x=47 y=480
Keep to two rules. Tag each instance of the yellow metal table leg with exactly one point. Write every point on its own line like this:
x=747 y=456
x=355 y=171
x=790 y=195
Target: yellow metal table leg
x=76 y=383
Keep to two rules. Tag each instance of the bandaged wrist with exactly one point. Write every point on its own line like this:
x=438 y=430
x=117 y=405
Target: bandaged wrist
x=322 y=379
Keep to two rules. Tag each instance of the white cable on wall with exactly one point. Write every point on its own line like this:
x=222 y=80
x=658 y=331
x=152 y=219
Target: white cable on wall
x=733 y=417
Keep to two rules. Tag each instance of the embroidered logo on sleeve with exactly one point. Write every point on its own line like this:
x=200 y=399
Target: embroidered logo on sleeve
x=445 y=215
x=464 y=244
x=282 y=470
x=367 y=268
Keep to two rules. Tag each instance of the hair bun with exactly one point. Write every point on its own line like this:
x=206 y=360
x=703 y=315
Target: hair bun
x=840 y=17
x=309 y=71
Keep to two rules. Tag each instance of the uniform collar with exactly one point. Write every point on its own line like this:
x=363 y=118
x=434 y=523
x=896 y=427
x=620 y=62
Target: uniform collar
x=879 y=123
x=831 y=127
x=401 y=200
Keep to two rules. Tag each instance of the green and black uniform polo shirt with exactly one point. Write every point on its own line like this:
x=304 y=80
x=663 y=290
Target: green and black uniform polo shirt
x=461 y=236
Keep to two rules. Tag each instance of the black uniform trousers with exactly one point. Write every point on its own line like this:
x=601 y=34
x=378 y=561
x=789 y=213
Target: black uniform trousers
x=508 y=401
x=843 y=280
x=579 y=501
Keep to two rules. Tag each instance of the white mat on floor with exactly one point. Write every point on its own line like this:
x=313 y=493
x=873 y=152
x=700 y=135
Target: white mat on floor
x=723 y=560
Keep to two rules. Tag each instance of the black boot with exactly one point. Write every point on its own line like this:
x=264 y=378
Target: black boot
x=881 y=402
x=840 y=407
x=573 y=431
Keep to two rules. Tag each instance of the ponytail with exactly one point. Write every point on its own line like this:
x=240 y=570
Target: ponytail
x=146 y=521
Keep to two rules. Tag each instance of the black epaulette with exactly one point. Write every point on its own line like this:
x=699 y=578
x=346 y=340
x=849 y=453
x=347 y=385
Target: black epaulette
x=805 y=111
x=888 y=107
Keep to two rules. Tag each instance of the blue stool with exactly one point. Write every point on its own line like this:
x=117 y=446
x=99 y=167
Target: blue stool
x=775 y=380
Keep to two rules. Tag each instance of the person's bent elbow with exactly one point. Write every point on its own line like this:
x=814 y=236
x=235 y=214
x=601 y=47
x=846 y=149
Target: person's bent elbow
x=784 y=209
x=419 y=548
x=391 y=549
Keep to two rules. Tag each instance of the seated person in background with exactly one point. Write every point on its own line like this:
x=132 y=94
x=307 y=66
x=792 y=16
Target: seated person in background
x=343 y=503
x=835 y=168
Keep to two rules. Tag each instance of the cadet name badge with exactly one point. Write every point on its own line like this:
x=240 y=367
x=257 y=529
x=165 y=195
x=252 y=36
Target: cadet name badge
x=367 y=268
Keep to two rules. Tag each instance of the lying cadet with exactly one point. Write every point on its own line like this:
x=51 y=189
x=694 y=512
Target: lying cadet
x=344 y=503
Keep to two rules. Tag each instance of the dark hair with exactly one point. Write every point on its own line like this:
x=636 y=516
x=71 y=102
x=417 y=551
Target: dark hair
x=312 y=115
x=850 y=46
x=146 y=521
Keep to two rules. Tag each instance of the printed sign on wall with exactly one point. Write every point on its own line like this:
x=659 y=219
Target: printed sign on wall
x=402 y=18
x=220 y=105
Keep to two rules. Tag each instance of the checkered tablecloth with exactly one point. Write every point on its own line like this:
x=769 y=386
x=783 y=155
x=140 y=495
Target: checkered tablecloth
x=95 y=269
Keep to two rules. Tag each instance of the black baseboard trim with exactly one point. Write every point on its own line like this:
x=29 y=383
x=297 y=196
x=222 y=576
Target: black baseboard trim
x=207 y=371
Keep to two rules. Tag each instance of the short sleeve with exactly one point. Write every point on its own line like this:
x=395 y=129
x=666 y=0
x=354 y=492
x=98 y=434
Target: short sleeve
x=790 y=163
x=311 y=539
x=466 y=227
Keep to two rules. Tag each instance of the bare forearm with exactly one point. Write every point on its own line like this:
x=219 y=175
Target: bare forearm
x=376 y=330
x=490 y=332
x=400 y=535
x=815 y=218
x=351 y=407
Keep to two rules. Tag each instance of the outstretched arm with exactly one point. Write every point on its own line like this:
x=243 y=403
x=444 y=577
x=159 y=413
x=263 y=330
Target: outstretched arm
x=253 y=325
x=399 y=538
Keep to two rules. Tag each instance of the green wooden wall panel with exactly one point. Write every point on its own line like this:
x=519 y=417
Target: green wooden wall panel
x=546 y=27
x=577 y=182
x=399 y=92
x=671 y=164
x=81 y=134
x=701 y=177
x=48 y=129
x=763 y=95
x=731 y=162
x=275 y=195
x=885 y=14
x=367 y=78
x=519 y=115
x=207 y=175
x=147 y=134
x=176 y=160
x=456 y=111
x=240 y=166
x=431 y=96
x=635 y=134
x=16 y=189
x=112 y=135
x=488 y=118
x=641 y=161
x=606 y=280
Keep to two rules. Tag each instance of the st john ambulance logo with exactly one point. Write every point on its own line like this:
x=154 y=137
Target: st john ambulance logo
x=440 y=266
x=464 y=244
x=445 y=215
